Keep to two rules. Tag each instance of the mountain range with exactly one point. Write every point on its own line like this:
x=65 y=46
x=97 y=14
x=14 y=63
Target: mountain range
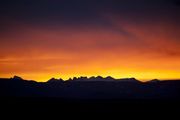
x=91 y=88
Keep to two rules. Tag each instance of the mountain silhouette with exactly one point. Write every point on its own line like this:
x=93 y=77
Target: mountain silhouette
x=17 y=78
x=89 y=95
x=154 y=81
x=52 y=80
x=91 y=88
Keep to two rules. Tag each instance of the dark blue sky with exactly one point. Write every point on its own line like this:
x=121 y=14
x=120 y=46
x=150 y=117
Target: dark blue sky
x=84 y=11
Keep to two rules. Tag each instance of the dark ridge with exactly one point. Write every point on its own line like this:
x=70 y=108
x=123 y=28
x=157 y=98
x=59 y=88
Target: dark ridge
x=95 y=79
x=154 y=81
x=17 y=78
x=52 y=80
x=91 y=88
x=89 y=95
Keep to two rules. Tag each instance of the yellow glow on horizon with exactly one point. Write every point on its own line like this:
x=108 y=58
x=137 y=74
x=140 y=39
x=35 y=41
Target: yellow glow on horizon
x=140 y=75
x=43 y=68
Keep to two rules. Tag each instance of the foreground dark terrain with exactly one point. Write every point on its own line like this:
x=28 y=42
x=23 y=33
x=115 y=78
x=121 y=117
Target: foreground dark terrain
x=94 y=94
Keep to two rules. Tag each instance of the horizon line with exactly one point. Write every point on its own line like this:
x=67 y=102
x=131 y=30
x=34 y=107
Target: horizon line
x=78 y=77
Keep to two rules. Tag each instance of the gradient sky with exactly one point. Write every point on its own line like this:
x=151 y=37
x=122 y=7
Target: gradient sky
x=40 y=39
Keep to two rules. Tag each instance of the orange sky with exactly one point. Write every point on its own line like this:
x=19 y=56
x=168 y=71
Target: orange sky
x=36 y=53
x=128 y=46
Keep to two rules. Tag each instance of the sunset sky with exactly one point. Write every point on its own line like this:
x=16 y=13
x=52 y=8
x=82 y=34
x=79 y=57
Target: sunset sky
x=40 y=39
